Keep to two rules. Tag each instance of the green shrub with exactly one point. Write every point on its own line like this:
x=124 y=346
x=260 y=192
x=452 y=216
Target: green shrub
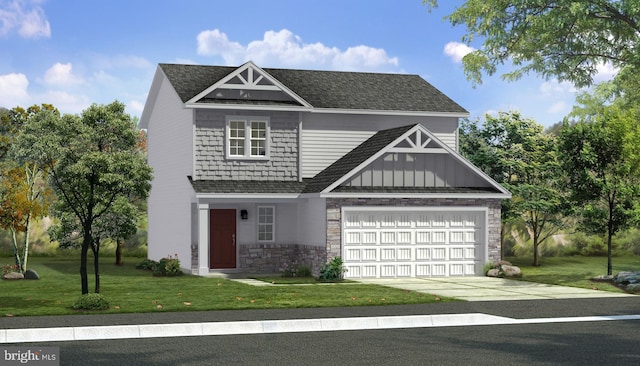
x=169 y=266
x=589 y=245
x=295 y=270
x=149 y=264
x=332 y=271
x=91 y=302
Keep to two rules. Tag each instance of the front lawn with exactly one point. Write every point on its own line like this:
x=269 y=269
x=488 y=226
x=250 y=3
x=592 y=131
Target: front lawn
x=130 y=290
x=575 y=271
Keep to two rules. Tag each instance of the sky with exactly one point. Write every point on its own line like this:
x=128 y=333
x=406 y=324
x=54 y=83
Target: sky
x=72 y=53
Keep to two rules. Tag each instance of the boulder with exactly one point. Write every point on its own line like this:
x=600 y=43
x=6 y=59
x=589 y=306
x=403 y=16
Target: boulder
x=633 y=288
x=511 y=271
x=625 y=278
x=493 y=272
x=31 y=275
x=13 y=276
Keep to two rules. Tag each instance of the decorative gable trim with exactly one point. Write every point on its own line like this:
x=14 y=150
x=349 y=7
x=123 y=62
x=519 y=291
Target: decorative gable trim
x=416 y=140
x=248 y=77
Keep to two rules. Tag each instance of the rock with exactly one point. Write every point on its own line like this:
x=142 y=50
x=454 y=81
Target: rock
x=633 y=288
x=511 y=271
x=13 y=276
x=493 y=272
x=31 y=275
x=624 y=278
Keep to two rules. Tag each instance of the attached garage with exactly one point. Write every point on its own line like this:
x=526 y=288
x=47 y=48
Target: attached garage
x=395 y=242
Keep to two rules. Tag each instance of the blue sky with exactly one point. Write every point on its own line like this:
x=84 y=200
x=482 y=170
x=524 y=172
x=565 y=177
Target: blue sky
x=73 y=53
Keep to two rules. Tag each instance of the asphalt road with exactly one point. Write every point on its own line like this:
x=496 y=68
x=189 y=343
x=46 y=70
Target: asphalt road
x=567 y=343
x=613 y=343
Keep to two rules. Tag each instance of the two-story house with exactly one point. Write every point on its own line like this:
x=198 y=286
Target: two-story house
x=255 y=168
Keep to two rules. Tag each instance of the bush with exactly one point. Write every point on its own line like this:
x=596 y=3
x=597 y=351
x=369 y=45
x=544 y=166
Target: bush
x=149 y=264
x=589 y=245
x=169 y=266
x=295 y=270
x=332 y=271
x=91 y=302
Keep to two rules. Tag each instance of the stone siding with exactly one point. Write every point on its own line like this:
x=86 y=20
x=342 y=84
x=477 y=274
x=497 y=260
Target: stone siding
x=334 y=220
x=271 y=258
x=211 y=161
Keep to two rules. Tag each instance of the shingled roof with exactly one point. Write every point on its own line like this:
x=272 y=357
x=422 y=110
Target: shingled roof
x=328 y=89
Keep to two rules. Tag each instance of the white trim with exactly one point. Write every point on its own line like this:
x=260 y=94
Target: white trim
x=203 y=239
x=380 y=112
x=247 y=195
x=411 y=195
x=273 y=223
x=251 y=67
x=404 y=136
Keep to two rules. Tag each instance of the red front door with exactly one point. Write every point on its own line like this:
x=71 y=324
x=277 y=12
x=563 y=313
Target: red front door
x=222 y=249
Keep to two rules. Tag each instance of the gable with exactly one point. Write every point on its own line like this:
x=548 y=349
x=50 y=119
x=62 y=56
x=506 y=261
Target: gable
x=251 y=85
x=406 y=159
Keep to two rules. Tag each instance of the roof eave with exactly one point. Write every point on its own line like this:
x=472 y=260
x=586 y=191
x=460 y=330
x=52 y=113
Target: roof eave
x=391 y=112
x=496 y=195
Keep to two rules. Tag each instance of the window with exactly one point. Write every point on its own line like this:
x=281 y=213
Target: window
x=265 y=223
x=247 y=137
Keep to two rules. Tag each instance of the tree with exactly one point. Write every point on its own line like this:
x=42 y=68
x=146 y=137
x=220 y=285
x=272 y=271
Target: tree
x=563 y=39
x=602 y=160
x=515 y=152
x=24 y=194
x=93 y=162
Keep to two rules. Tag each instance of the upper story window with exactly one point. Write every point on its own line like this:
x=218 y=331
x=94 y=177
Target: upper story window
x=247 y=137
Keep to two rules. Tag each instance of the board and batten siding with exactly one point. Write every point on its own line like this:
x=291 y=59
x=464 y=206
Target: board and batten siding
x=328 y=137
x=170 y=153
x=418 y=171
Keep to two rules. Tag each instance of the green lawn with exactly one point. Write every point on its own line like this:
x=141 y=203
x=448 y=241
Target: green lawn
x=129 y=290
x=575 y=271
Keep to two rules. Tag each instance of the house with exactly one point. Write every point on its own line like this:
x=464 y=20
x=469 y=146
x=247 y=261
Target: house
x=255 y=168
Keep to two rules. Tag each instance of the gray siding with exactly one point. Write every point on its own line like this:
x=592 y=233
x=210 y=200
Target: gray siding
x=210 y=159
x=417 y=170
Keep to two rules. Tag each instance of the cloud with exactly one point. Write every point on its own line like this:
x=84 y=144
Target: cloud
x=13 y=90
x=66 y=102
x=61 y=74
x=24 y=16
x=457 y=51
x=605 y=71
x=285 y=49
x=554 y=88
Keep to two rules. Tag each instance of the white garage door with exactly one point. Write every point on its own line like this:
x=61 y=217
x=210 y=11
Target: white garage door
x=400 y=243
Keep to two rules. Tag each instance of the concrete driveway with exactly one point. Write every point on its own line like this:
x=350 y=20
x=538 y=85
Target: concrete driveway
x=490 y=289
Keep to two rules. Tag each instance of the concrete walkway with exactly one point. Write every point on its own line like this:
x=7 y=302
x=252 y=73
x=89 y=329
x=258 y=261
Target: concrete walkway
x=490 y=289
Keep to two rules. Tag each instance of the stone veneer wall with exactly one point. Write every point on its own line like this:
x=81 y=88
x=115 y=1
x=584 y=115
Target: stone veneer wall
x=211 y=161
x=270 y=258
x=334 y=221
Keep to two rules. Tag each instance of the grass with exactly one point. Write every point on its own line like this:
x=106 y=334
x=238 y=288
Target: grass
x=280 y=280
x=130 y=290
x=575 y=271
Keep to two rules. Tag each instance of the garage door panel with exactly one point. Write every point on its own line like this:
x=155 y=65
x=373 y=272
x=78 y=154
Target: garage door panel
x=409 y=244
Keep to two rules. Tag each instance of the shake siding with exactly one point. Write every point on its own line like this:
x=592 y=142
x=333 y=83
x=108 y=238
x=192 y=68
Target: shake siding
x=210 y=159
x=328 y=137
x=170 y=156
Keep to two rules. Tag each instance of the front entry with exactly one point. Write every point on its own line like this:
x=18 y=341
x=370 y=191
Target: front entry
x=222 y=248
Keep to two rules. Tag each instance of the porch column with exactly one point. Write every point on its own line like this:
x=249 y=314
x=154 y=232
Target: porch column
x=203 y=239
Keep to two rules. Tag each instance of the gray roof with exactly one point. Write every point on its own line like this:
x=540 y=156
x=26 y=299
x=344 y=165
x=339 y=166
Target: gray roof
x=328 y=89
x=247 y=186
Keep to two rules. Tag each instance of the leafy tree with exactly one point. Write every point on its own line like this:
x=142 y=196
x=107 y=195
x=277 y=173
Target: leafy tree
x=24 y=195
x=93 y=162
x=602 y=160
x=565 y=39
x=515 y=152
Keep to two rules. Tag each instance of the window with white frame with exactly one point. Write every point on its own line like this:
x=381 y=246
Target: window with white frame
x=266 y=219
x=247 y=137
